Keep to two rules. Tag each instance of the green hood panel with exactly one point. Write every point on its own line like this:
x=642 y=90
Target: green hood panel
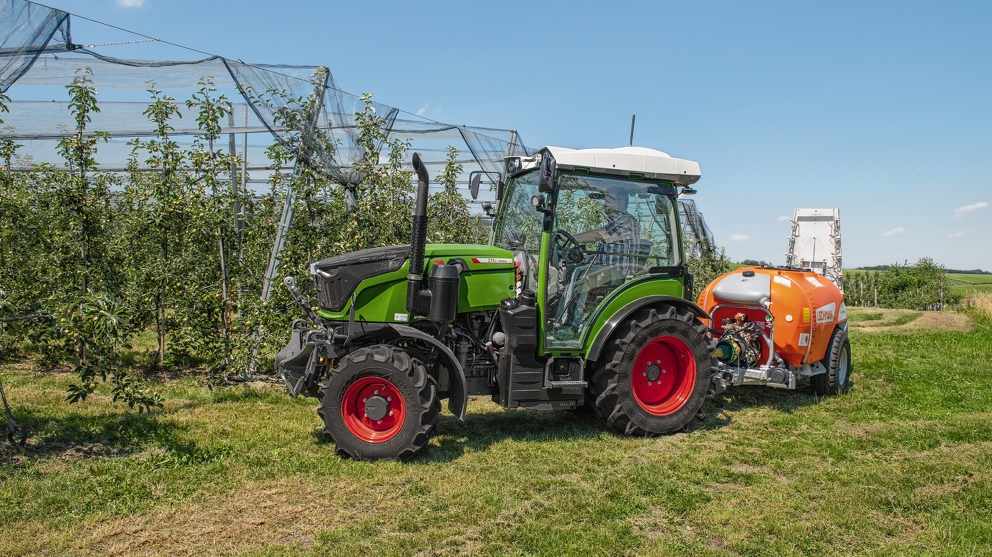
x=382 y=298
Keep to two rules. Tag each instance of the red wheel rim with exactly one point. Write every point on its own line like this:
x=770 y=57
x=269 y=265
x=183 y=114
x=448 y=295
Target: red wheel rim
x=373 y=409
x=663 y=375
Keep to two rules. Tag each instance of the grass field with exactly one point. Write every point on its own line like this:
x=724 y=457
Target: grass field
x=901 y=465
x=967 y=285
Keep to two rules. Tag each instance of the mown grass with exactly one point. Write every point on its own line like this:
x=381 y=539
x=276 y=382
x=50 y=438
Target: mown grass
x=901 y=465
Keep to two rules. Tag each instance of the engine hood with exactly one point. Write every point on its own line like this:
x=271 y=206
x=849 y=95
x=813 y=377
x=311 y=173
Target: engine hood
x=474 y=257
x=374 y=278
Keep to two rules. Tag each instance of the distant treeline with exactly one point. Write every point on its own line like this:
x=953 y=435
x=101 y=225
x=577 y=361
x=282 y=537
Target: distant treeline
x=952 y=271
x=920 y=286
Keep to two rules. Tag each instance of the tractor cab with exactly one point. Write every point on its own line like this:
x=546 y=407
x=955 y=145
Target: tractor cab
x=585 y=226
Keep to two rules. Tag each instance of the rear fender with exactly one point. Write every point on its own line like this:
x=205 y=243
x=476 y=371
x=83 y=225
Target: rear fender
x=607 y=331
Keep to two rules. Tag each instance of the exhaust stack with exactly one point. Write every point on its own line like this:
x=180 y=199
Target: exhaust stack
x=418 y=299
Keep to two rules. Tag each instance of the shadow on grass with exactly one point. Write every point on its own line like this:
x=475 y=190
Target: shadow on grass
x=110 y=435
x=480 y=431
x=720 y=409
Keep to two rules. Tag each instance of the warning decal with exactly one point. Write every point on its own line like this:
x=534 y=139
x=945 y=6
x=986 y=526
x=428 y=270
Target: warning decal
x=805 y=315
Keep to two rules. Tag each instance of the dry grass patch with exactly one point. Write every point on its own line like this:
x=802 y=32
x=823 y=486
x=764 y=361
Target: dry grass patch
x=255 y=516
x=877 y=320
x=983 y=302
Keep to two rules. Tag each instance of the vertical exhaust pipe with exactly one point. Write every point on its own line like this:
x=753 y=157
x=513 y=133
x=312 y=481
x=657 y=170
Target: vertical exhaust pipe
x=418 y=299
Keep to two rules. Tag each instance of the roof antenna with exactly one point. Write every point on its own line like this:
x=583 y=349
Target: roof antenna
x=632 y=118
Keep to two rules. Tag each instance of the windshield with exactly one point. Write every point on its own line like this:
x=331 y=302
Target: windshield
x=519 y=227
x=590 y=203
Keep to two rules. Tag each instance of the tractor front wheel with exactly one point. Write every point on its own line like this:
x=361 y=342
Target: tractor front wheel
x=653 y=379
x=379 y=403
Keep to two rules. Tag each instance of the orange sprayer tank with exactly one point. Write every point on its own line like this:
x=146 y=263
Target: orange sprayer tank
x=804 y=306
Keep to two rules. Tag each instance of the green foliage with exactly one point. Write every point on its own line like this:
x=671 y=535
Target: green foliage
x=7 y=147
x=448 y=213
x=705 y=265
x=921 y=286
x=178 y=250
x=98 y=326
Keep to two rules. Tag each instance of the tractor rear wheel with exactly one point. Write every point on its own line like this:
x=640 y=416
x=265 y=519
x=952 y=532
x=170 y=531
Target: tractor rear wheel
x=379 y=403
x=653 y=378
x=837 y=379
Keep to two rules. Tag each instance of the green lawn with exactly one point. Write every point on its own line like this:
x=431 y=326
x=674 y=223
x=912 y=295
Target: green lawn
x=902 y=464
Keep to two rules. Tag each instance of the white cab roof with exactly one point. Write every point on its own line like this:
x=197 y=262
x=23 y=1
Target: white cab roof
x=625 y=160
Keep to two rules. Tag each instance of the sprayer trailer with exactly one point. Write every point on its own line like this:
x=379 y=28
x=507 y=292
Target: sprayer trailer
x=582 y=297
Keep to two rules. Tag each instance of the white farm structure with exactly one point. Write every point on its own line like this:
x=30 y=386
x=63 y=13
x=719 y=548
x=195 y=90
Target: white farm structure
x=814 y=243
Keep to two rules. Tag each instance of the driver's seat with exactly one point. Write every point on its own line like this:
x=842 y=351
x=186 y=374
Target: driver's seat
x=643 y=252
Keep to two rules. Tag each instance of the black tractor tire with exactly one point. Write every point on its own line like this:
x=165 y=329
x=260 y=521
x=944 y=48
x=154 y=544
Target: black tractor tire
x=379 y=403
x=839 y=366
x=674 y=349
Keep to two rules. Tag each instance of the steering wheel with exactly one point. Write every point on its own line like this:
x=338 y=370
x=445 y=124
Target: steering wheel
x=562 y=241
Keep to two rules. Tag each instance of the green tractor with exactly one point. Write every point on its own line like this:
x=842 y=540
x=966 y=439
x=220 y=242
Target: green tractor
x=582 y=297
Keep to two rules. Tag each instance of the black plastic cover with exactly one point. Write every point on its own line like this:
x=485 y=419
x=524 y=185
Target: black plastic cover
x=338 y=276
x=443 y=283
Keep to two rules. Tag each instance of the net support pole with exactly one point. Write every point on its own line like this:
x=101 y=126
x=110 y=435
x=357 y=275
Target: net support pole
x=302 y=159
x=244 y=171
x=232 y=148
x=511 y=145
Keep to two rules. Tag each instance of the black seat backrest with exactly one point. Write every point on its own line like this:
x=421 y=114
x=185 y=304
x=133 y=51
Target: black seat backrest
x=643 y=251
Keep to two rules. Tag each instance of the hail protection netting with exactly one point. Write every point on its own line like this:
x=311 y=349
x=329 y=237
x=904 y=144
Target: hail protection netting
x=697 y=234
x=38 y=59
x=27 y=30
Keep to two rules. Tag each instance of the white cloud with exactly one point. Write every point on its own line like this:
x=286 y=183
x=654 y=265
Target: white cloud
x=960 y=211
x=783 y=217
x=895 y=231
x=421 y=110
x=955 y=235
x=739 y=237
x=131 y=3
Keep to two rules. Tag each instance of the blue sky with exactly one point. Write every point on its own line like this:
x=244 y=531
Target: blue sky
x=881 y=109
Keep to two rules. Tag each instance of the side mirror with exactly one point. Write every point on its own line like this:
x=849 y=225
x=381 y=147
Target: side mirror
x=547 y=174
x=538 y=202
x=473 y=184
x=500 y=186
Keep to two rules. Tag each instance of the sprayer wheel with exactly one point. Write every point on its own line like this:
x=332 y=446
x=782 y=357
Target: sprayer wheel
x=379 y=403
x=653 y=377
x=837 y=379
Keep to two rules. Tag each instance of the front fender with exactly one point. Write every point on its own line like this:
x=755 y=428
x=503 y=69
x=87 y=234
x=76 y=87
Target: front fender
x=607 y=331
x=458 y=391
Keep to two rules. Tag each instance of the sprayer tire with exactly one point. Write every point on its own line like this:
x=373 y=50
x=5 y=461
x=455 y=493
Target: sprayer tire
x=839 y=366
x=620 y=391
x=408 y=417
